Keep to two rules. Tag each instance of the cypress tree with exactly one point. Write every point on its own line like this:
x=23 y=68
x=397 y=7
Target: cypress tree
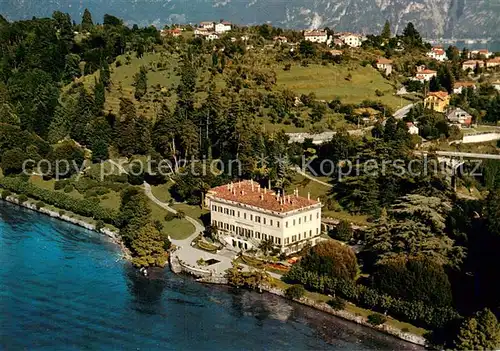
x=87 y=22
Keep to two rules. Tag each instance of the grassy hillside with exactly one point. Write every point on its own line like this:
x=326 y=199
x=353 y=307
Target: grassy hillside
x=328 y=82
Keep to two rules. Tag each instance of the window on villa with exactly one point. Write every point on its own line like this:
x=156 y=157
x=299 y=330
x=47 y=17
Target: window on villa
x=214 y=208
x=257 y=235
x=294 y=238
x=278 y=241
x=257 y=219
x=251 y=217
x=310 y=233
x=294 y=222
x=317 y=231
x=271 y=223
x=299 y=236
x=305 y=219
x=220 y=208
x=238 y=214
x=286 y=224
x=310 y=217
x=220 y=225
x=287 y=241
x=251 y=233
x=264 y=220
x=299 y=220
x=214 y=222
x=232 y=228
x=264 y=236
x=244 y=216
x=317 y=214
x=278 y=224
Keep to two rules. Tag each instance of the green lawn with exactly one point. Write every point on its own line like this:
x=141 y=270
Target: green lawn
x=176 y=228
x=328 y=82
x=192 y=211
x=161 y=192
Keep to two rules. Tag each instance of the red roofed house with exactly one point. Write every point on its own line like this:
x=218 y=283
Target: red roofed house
x=437 y=53
x=482 y=53
x=246 y=214
x=437 y=101
x=172 y=32
x=459 y=86
x=492 y=63
x=425 y=74
x=316 y=36
x=471 y=64
x=385 y=65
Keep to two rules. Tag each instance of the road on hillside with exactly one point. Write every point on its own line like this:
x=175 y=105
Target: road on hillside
x=403 y=111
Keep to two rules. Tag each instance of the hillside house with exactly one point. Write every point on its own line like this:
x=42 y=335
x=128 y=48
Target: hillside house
x=425 y=75
x=316 y=36
x=384 y=65
x=492 y=63
x=479 y=54
x=222 y=27
x=336 y=52
x=437 y=101
x=201 y=32
x=458 y=87
x=280 y=39
x=176 y=32
x=352 y=40
x=212 y=36
x=437 y=53
x=472 y=64
x=207 y=25
x=459 y=116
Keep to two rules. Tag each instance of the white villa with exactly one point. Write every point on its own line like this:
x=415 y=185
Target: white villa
x=316 y=36
x=437 y=53
x=246 y=214
x=223 y=27
x=352 y=40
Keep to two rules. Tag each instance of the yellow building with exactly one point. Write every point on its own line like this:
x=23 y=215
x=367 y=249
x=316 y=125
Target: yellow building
x=437 y=101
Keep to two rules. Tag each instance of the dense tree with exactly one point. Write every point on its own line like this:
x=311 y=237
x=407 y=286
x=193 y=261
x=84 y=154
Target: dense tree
x=480 y=332
x=332 y=259
x=12 y=161
x=386 y=31
x=141 y=83
x=413 y=279
x=87 y=22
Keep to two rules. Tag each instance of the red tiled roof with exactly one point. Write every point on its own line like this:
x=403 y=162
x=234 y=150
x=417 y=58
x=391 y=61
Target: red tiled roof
x=464 y=84
x=314 y=33
x=439 y=94
x=245 y=193
x=426 y=71
x=384 y=61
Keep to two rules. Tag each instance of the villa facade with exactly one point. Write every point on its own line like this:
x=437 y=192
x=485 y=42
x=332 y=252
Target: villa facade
x=246 y=214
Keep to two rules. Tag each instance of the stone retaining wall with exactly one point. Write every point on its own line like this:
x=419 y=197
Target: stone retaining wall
x=322 y=306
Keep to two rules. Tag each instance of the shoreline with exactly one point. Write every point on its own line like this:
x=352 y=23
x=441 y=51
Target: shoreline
x=179 y=268
x=113 y=235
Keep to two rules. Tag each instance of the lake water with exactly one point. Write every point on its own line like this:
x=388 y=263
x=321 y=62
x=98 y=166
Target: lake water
x=65 y=288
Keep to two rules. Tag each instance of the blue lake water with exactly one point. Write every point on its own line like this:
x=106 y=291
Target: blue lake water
x=65 y=288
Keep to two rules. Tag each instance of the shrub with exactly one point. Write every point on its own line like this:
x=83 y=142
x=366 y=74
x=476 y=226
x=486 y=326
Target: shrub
x=68 y=188
x=62 y=213
x=5 y=194
x=342 y=232
x=295 y=292
x=169 y=216
x=22 y=198
x=118 y=63
x=379 y=92
x=337 y=303
x=99 y=225
x=39 y=205
x=180 y=214
x=376 y=319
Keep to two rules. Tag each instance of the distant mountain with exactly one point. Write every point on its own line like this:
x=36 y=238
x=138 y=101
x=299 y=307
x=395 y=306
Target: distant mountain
x=433 y=18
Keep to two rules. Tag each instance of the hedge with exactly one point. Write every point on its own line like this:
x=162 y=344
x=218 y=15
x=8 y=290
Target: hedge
x=414 y=312
x=83 y=207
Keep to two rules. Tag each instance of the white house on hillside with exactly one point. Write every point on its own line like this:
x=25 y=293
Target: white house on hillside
x=352 y=40
x=207 y=25
x=246 y=214
x=437 y=53
x=223 y=27
x=316 y=36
